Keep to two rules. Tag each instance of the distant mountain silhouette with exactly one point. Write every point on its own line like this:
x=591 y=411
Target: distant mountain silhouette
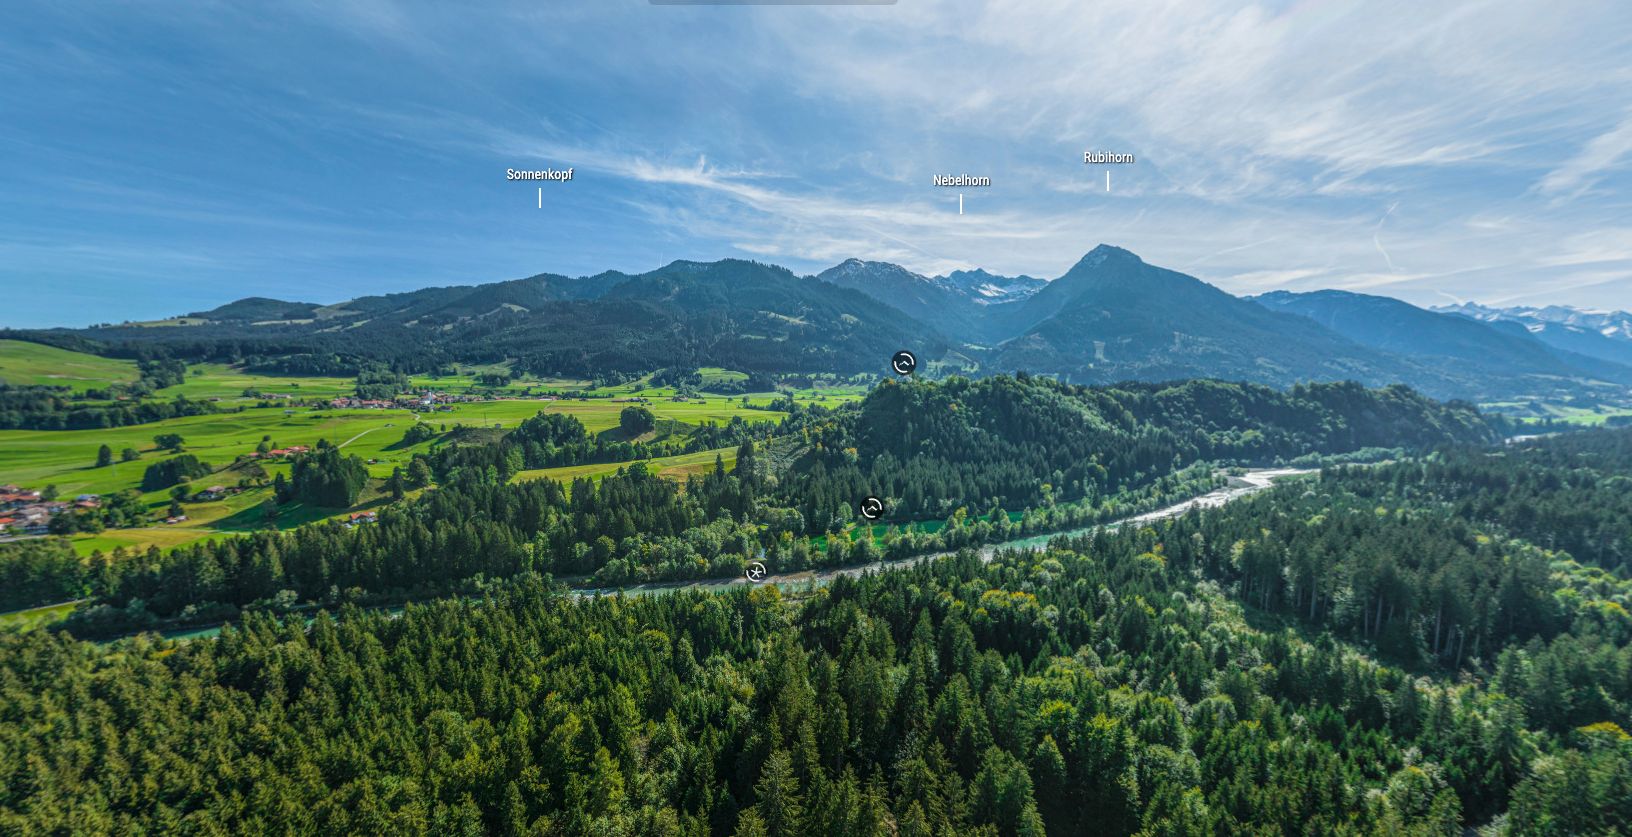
x=1110 y=317
x=1606 y=335
x=1503 y=356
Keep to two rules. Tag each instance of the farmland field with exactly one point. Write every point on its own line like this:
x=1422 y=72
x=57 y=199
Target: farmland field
x=217 y=380
x=66 y=458
x=672 y=467
x=36 y=616
x=31 y=364
x=1542 y=410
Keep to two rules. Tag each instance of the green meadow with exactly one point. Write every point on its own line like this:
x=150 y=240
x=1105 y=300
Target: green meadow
x=36 y=616
x=31 y=364
x=66 y=458
x=1539 y=410
x=671 y=467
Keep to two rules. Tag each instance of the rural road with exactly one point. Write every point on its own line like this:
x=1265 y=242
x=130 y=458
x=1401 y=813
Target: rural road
x=356 y=437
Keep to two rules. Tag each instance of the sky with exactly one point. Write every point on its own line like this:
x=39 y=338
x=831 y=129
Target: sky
x=161 y=158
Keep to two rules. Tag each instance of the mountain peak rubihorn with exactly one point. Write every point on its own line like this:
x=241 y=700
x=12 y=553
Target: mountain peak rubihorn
x=1107 y=253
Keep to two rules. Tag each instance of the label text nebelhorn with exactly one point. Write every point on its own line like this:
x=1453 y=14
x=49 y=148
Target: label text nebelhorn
x=962 y=180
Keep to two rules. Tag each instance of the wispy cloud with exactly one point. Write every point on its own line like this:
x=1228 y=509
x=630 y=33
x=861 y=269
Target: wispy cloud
x=1582 y=171
x=1480 y=151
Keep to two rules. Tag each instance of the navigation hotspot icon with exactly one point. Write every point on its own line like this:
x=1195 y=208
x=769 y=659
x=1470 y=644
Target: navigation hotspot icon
x=872 y=508
x=756 y=571
x=904 y=362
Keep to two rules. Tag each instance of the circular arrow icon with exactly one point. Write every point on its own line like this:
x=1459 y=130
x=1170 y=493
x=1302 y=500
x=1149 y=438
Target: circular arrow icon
x=756 y=571
x=872 y=508
x=904 y=362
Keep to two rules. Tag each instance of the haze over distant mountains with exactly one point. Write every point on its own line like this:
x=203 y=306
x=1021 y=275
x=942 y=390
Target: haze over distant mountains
x=1110 y=317
x=1606 y=335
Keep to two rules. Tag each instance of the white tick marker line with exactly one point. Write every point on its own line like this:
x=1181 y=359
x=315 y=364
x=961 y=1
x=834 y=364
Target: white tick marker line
x=960 y=203
x=1107 y=180
x=541 y=195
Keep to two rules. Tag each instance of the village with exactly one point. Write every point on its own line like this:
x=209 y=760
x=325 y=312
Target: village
x=26 y=512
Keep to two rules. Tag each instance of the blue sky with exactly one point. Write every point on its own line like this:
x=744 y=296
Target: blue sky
x=163 y=158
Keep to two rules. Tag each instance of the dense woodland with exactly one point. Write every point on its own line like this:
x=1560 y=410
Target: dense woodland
x=57 y=408
x=790 y=502
x=1380 y=649
x=326 y=477
x=1571 y=492
x=1027 y=441
x=1107 y=684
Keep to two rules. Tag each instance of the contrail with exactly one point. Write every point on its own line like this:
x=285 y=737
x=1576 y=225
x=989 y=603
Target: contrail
x=1377 y=237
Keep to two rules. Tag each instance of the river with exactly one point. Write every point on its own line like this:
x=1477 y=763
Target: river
x=1244 y=485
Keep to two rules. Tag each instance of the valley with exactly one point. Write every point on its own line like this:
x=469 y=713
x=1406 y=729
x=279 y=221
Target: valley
x=561 y=450
x=816 y=418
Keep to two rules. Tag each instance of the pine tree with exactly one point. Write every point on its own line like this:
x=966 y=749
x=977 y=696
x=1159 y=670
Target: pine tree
x=778 y=793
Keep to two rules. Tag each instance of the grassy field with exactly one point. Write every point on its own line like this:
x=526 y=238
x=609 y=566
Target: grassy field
x=65 y=459
x=36 y=616
x=236 y=514
x=672 y=467
x=31 y=364
x=1541 y=410
x=219 y=381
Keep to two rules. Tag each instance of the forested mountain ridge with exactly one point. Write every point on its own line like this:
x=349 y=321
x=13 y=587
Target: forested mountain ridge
x=1023 y=441
x=735 y=314
x=1110 y=317
x=1497 y=352
x=1114 y=317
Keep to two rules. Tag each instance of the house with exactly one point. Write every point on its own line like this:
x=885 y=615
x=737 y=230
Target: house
x=12 y=497
x=361 y=518
x=214 y=492
x=32 y=520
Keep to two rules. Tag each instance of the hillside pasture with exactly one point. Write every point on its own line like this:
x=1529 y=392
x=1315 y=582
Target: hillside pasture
x=32 y=364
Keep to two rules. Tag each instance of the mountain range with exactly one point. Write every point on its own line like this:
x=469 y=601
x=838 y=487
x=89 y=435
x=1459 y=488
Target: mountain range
x=1111 y=317
x=1606 y=335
